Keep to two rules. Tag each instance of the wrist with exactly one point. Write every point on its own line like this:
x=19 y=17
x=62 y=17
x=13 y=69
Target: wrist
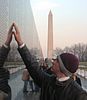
x=7 y=43
x=6 y=46
x=20 y=43
x=21 y=46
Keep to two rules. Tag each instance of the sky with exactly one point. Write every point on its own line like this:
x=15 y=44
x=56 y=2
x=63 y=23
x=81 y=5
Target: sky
x=69 y=21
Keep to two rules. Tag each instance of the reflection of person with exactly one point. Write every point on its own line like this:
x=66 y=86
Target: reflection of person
x=31 y=84
x=4 y=74
x=76 y=78
x=25 y=78
x=57 y=87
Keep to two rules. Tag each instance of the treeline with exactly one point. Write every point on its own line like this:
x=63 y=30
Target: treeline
x=80 y=50
x=14 y=55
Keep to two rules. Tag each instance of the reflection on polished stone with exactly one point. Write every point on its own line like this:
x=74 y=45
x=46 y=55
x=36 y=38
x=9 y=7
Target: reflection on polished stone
x=21 y=13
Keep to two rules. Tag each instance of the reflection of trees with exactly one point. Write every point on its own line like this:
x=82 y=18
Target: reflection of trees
x=58 y=51
x=36 y=52
x=14 y=54
x=80 y=50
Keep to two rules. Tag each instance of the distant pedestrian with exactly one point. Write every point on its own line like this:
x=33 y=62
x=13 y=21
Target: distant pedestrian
x=25 y=78
x=31 y=83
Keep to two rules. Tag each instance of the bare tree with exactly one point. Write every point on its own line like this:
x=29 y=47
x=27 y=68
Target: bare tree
x=80 y=50
x=13 y=54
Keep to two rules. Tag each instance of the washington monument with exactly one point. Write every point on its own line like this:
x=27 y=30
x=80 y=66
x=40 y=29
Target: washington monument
x=50 y=35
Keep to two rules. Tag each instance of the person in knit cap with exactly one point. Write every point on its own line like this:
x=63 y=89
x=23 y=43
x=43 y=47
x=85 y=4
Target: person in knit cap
x=60 y=85
x=68 y=63
x=73 y=63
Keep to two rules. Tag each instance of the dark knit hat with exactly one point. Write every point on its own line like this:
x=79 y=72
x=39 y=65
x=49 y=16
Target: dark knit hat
x=70 y=62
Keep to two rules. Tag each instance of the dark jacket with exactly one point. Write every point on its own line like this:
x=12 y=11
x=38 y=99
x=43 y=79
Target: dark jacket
x=51 y=89
x=4 y=75
x=78 y=80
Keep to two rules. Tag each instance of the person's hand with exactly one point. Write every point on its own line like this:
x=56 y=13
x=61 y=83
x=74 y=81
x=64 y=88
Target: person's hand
x=17 y=35
x=9 y=36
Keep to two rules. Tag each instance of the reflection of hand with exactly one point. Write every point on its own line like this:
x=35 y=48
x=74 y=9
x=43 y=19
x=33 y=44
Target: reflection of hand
x=17 y=35
x=9 y=36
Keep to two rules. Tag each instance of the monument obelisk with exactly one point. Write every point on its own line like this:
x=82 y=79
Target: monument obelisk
x=50 y=35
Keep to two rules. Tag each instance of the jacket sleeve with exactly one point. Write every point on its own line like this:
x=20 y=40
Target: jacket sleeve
x=3 y=55
x=82 y=96
x=33 y=67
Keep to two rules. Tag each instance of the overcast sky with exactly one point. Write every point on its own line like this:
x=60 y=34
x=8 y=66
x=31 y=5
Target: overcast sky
x=69 y=21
